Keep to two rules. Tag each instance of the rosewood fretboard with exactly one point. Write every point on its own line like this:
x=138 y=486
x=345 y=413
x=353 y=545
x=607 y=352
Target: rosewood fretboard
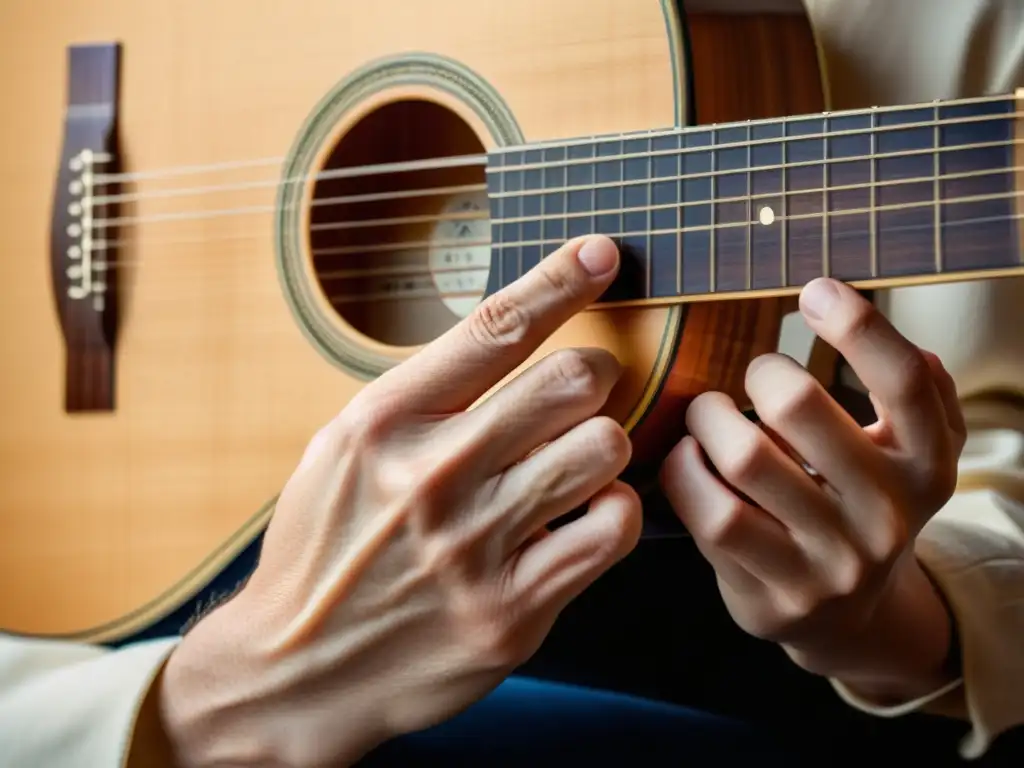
x=881 y=195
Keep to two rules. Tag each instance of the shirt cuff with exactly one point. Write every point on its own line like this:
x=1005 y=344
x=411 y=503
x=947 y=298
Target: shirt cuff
x=974 y=551
x=66 y=704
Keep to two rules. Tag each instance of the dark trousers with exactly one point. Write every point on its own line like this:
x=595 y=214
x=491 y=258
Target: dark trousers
x=648 y=669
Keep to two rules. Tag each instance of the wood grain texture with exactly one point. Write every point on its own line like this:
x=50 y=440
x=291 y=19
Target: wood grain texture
x=744 y=67
x=218 y=390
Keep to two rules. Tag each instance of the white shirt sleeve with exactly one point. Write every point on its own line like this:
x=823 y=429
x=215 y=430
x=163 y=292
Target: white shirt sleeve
x=974 y=550
x=885 y=52
x=68 y=705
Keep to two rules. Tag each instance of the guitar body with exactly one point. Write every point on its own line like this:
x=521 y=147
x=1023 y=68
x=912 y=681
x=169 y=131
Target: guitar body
x=127 y=499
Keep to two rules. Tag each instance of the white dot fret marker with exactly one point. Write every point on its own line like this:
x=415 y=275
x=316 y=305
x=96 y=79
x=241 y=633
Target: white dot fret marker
x=766 y=216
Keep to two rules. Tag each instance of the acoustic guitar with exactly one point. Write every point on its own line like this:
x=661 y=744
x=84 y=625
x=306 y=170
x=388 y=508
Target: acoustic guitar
x=221 y=220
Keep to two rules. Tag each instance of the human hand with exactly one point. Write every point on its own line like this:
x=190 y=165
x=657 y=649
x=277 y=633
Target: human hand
x=408 y=568
x=824 y=564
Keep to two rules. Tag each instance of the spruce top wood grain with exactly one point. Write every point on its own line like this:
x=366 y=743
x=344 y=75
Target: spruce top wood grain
x=222 y=220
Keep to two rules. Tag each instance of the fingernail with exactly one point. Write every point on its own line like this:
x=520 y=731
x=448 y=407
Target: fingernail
x=817 y=298
x=598 y=256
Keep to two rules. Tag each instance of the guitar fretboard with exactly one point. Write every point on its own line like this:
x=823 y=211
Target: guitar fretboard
x=873 y=194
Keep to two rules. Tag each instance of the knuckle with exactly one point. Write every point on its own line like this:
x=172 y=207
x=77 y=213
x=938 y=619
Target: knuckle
x=889 y=537
x=849 y=573
x=747 y=462
x=439 y=556
x=574 y=370
x=911 y=376
x=555 y=477
x=321 y=443
x=783 y=410
x=444 y=555
x=556 y=280
x=367 y=421
x=793 y=607
x=396 y=476
x=702 y=408
x=774 y=619
x=621 y=529
x=724 y=528
x=610 y=439
x=498 y=322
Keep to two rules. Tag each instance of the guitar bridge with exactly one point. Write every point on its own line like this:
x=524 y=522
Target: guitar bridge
x=83 y=236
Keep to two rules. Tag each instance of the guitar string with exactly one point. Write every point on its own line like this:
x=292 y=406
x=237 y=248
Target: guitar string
x=580 y=141
x=371 y=197
x=783 y=120
x=750 y=225
x=432 y=294
x=823 y=215
x=100 y=179
x=101 y=223
x=873 y=131
x=776 y=195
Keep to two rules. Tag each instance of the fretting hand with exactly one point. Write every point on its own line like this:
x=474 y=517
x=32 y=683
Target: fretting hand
x=824 y=564
x=408 y=568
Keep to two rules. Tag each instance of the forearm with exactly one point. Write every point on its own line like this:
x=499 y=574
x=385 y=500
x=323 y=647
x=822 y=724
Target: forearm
x=218 y=702
x=905 y=651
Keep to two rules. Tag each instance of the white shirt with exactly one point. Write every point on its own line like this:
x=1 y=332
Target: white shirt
x=881 y=52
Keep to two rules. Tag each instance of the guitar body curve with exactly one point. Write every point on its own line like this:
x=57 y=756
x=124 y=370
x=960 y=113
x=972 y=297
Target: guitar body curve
x=242 y=332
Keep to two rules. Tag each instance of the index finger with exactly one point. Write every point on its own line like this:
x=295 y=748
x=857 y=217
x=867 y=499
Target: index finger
x=458 y=368
x=892 y=368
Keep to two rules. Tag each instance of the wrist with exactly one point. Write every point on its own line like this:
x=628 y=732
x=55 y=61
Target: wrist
x=906 y=649
x=202 y=700
x=224 y=701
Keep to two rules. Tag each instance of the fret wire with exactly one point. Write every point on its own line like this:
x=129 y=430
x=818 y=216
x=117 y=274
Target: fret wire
x=501 y=235
x=593 y=191
x=659 y=132
x=565 y=205
x=801 y=164
x=757 y=142
x=750 y=229
x=519 y=226
x=679 y=222
x=761 y=195
x=650 y=200
x=936 y=136
x=801 y=216
x=397 y=247
x=543 y=209
x=741 y=198
x=622 y=188
x=519 y=254
x=826 y=266
x=712 y=194
x=783 y=228
x=873 y=216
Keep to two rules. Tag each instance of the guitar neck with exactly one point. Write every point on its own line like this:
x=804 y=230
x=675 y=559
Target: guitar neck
x=877 y=197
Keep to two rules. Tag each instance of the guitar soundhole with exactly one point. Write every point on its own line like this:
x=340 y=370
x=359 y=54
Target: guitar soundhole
x=401 y=255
